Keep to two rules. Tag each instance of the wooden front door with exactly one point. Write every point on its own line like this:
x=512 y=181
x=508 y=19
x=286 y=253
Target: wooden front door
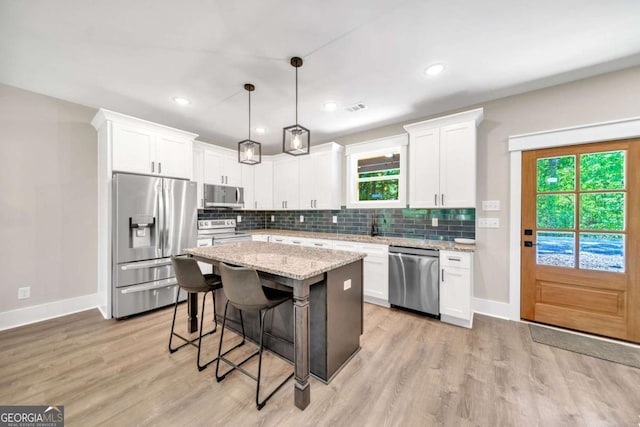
x=580 y=238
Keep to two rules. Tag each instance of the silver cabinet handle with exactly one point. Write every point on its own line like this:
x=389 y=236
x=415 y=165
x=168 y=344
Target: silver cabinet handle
x=255 y=205
x=442 y=199
x=153 y=164
x=159 y=167
x=453 y=259
x=442 y=275
x=435 y=199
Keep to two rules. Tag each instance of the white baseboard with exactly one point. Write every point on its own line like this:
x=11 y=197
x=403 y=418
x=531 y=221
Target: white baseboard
x=377 y=301
x=37 y=313
x=501 y=310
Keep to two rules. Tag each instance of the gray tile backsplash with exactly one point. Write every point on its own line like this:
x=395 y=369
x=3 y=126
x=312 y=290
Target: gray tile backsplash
x=411 y=223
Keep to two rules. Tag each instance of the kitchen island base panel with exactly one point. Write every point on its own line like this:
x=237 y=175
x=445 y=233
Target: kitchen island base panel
x=335 y=323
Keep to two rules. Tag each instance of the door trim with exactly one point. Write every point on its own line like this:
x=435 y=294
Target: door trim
x=582 y=134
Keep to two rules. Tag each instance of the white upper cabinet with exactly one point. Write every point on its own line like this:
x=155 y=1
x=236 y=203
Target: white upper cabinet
x=139 y=146
x=248 y=184
x=442 y=161
x=263 y=185
x=321 y=177
x=221 y=166
x=285 y=182
x=198 y=172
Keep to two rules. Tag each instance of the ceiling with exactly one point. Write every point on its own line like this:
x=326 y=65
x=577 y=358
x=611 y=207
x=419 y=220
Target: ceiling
x=134 y=57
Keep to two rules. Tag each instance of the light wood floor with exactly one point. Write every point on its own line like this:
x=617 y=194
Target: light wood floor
x=411 y=371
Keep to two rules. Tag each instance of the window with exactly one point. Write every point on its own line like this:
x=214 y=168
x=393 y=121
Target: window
x=580 y=211
x=376 y=173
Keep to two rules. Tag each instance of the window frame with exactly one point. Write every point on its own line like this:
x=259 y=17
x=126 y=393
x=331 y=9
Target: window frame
x=355 y=152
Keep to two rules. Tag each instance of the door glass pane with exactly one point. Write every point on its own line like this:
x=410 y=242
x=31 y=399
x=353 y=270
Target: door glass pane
x=555 y=210
x=602 y=211
x=602 y=171
x=556 y=174
x=555 y=248
x=602 y=251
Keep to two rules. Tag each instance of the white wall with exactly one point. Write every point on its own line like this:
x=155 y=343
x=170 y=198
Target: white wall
x=48 y=212
x=602 y=98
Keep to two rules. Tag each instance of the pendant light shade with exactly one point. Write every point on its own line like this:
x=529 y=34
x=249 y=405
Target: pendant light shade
x=296 y=138
x=249 y=152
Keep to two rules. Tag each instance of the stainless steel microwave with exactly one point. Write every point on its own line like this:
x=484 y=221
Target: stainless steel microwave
x=223 y=196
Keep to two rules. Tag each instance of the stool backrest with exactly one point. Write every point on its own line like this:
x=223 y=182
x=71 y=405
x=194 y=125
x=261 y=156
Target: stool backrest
x=188 y=274
x=243 y=288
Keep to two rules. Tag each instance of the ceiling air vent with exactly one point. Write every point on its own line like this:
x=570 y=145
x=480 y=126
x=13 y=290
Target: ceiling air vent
x=355 y=107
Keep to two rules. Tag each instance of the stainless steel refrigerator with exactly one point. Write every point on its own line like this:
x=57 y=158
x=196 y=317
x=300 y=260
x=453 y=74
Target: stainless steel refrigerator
x=153 y=218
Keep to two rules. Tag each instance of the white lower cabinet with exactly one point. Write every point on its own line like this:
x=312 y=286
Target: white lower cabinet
x=205 y=267
x=375 y=273
x=456 y=284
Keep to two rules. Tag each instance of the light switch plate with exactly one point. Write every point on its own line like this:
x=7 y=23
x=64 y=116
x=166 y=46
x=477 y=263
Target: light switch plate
x=273 y=218
x=488 y=223
x=434 y=222
x=301 y=218
x=334 y=219
x=239 y=219
x=491 y=205
x=24 y=292
x=347 y=284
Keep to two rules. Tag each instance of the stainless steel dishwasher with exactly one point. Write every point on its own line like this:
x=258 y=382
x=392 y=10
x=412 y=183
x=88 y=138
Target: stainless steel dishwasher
x=413 y=279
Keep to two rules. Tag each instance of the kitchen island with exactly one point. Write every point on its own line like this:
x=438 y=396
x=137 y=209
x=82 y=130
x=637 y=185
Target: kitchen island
x=326 y=320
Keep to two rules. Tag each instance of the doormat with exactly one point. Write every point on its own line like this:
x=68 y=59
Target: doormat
x=611 y=351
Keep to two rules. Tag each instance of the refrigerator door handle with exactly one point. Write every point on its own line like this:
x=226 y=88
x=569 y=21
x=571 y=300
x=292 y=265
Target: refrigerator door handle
x=149 y=286
x=144 y=265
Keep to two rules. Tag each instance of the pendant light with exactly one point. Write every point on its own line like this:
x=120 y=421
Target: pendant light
x=295 y=138
x=249 y=152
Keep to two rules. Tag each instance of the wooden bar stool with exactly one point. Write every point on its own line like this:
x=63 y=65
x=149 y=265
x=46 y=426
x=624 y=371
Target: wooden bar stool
x=191 y=279
x=244 y=291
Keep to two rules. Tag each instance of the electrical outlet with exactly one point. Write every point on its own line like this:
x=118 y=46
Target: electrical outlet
x=434 y=222
x=334 y=219
x=273 y=218
x=488 y=223
x=491 y=205
x=347 y=284
x=239 y=219
x=301 y=218
x=24 y=293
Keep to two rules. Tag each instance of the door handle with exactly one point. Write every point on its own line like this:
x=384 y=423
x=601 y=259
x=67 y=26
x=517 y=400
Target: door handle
x=528 y=244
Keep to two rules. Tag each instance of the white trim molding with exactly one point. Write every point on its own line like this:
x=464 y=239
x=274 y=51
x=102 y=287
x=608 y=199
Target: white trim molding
x=584 y=134
x=491 y=308
x=466 y=116
x=37 y=313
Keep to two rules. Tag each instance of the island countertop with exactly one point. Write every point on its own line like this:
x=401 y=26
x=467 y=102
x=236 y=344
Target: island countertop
x=295 y=262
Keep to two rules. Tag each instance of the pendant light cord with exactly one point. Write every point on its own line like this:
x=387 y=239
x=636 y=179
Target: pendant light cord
x=296 y=96
x=249 y=115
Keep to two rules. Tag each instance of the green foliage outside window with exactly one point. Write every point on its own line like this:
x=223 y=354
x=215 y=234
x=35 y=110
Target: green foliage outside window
x=556 y=174
x=602 y=171
x=386 y=189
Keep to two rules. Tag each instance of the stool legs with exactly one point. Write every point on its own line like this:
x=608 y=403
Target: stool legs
x=200 y=334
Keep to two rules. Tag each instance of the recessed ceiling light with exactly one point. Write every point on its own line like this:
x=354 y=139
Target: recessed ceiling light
x=260 y=130
x=330 y=106
x=434 y=69
x=181 y=101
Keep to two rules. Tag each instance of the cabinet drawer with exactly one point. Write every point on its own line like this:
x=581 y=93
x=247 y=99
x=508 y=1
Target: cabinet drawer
x=341 y=245
x=374 y=249
x=455 y=259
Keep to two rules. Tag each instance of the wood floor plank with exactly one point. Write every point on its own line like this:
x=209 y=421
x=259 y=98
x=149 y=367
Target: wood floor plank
x=410 y=371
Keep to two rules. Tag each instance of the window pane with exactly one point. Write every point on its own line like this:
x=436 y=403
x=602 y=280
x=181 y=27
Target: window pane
x=602 y=211
x=600 y=251
x=386 y=164
x=556 y=211
x=555 y=248
x=602 y=171
x=378 y=190
x=556 y=174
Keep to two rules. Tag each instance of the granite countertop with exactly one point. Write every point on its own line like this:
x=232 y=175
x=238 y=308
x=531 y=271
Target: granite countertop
x=381 y=240
x=295 y=262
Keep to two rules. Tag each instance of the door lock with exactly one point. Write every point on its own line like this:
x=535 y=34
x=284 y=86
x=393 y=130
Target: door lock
x=528 y=244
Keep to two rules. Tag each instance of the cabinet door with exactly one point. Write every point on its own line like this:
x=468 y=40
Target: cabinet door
x=455 y=292
x=424 y=169
x=375 y=280
x=198 y=174
x=263 y=180
x=324 y=172
x=307 y=181
x=285 y=183
x=133 y=150
x=232 y=171
x=248 y=173
x=173 y=156
x=458 y=165
x=213 y=168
